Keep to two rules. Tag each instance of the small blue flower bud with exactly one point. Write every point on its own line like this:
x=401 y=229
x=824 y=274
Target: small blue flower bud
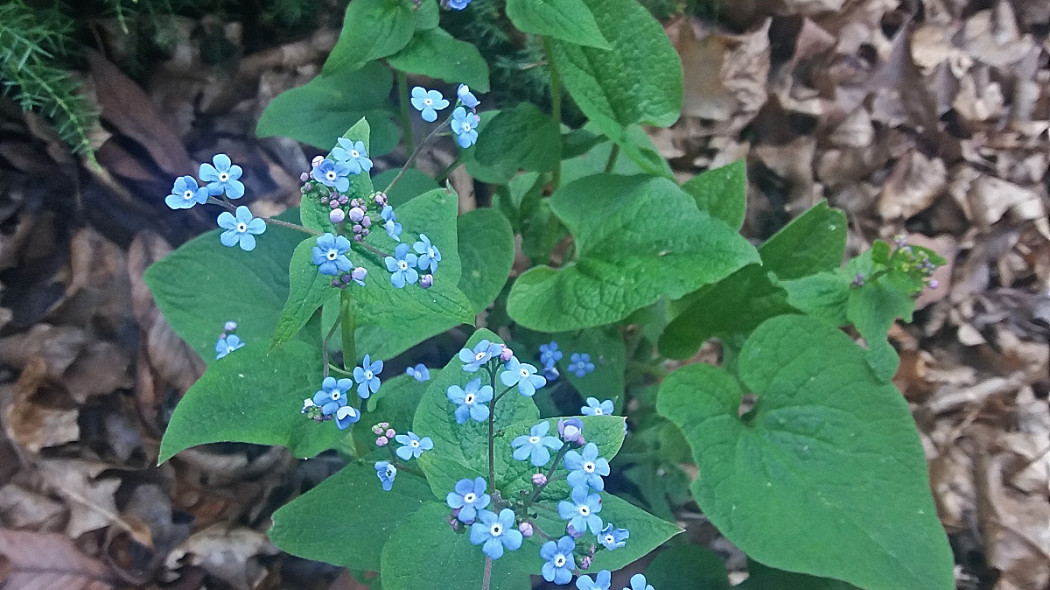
x=426 y=281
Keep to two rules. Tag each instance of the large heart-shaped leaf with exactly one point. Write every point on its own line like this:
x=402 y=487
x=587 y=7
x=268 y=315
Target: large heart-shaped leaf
x=649 y=242
x=437 y=54
x=568 y=20
x=826 y=474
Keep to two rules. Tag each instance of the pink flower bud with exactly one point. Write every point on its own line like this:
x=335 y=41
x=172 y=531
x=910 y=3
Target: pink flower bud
x=337 y=216
x=382 y=441
x=506 y=353
x=525 y=529
x=538 y=479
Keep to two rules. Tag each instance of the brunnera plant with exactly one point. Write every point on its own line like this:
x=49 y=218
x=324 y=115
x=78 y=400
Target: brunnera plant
x=494 y=467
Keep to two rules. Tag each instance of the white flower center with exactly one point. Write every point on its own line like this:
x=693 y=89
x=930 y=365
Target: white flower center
x=496 y=530
x=355 y=154
x=534 y=440
x=478 y=356
x=415 y=444
x=466 y=127
x=336 y=395
x=588 y=467
x=469 y=399
x=368 y=375
x=427 y=102
x=524 y=372
x=609 y=539
x=330 y=175
x=242 y=227
x=188 y=195
x=332 y=254
x=585 y=510
x=403 y=265
x=391 y=471
x=559 y=560
x=469 y=497
x=598 y=412
x=223 y=176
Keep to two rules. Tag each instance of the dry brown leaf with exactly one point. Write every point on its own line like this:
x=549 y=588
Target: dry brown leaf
x=33 y=425
x=21 y=508
x=49 y=561
x=227 y=554
x=91 y=502
x=914 y=183
x=705 y=96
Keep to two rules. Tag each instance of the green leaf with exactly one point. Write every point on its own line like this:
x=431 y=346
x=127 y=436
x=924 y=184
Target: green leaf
x=639 y=81
x=522 y=137
x=202 y=285
x=425 y=552
x=502 y=172
x=828 y=448
x=486 y=250
x=251 y=396
x=760 y=577
x=597 y=158
x=372 y=29
x=437 y=54
x=687 y=566
x=568 y=20
x=872 y=309
x=412 y=184
x=606 y=347
x=649 y=242
x=309 y=291
x=722 y=192
x=391 y=320
x=316 y=112
x=811 y=243
x=427 y=15
x=348 y=518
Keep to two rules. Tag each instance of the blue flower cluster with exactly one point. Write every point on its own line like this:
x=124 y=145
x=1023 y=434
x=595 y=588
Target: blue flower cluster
x=464 y=120
x=331 y=401
x=580 y=362
x=404 y=266
x=221 y=177
x=412 y=446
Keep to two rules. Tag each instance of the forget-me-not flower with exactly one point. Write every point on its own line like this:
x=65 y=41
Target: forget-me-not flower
x=354 y=154
x=464 y=126
x=330 y=254
x=580 y=364
x=596 y=408
x=483 y=352
x=428 y=102
x=494 y=532
x=468 y=497
x=549 y=353
x=185 y=193
x=535 y=445
x=571 y=430
x=581 y=510
x=429 y=256
x=390 y=224
x=467 y=97
x=367 y=377
x=638 y=583
x=458 y=4
x=600 y=582
x=240 y=229
x=412 y=446
x=386 y=473
x=222 y=177
x=332 y=394
x=402 y=267
x=471 y=401
x=560 y=561
x=612 y=538
x=419 y=372
x=345 y=416
x=586 y=468
x=226 y=345
x=333 y=174
x=523 y=375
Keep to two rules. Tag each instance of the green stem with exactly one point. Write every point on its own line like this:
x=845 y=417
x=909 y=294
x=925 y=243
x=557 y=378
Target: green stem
x=550 y=472
x=488 y=573
x=415 y=154
x=615 y=151
x=346 y=314
x=324 y=343
x=548 y=48
x=406 y=116
x=448 y=170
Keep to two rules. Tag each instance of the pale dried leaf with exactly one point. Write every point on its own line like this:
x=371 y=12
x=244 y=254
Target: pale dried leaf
x=91 y=502
x=915 y=182
x=49 y=561
x=226 y=554
x=33 y=425
x=21 y=508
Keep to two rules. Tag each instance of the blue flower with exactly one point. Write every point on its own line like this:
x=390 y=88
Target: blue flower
x=330 y=254
x=586 y=468
x=483 y=352
x=412 y=446
x=471 y=401
x=458 y=4
x=222 y=177
x=535 y=445
x=560 y=561
x=638 y=583
x=468 y=498
x=465 y=95
x=581 y=364
x=594 y=408
x=419 y=372
x=428 y=102
x=581 y=510
x=496 y=532
x=464 y=125
x=333 y=174
x=185 y=193
x=345 y=416
x=428 y=254
x=367 y=378
x=550 y=373
x=240 y=230
x=600 y=581
x=354 y=154
x=523 y=375
x=571 y=430
x=386 y=473
x=226 y=345
x=549 y=353
x=402 y=267
x=390 y=224
x=332 y=394
x=613 y=538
